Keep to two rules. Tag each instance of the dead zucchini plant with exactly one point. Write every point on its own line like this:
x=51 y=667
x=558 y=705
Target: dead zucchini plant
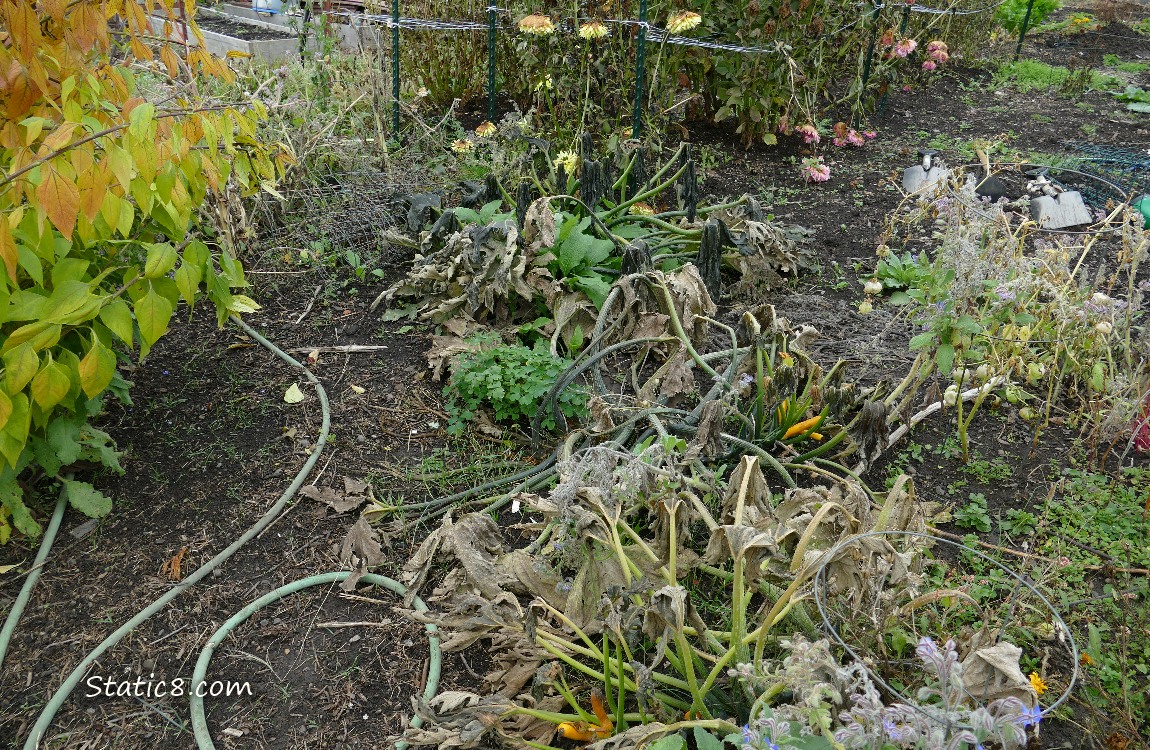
x=545 y=265
x=642 y=589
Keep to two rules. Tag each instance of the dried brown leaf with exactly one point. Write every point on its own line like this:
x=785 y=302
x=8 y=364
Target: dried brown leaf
x=444 y=350
x=466 y=618
x=340 y=502
x=692 y=300
x=360 y=551
x=457 y=719
x=748 y=480
x=730 y=542
x=482 y=423
x=539 y=225
x=993 y=672
x=474 y=541
x=532 y=578
x=601 y=420
x=651 y=325
x=679 y=377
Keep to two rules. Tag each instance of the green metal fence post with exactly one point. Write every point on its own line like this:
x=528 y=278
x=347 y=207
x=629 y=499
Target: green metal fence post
x=491 y=63
x=637 y=125
x=1025 y=26
x=870 y=47
x=901 y=32
x=303 y=31
x=395 y=68
x=869 y=58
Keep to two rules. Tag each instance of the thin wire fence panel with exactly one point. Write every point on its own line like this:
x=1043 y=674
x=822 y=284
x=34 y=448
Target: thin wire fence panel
x=1127 y=168
x=341 y=212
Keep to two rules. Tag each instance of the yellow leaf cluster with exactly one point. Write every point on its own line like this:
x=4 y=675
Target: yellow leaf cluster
x=98 y=187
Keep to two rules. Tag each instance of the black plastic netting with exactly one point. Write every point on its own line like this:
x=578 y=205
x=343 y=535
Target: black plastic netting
x=1127 y=168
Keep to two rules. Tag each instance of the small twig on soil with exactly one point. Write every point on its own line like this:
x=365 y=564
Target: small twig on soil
x=345 y=349
x=423 y=680
x=467 y=666
x=258 y=660
x=169 y=635
x=414 y=435
x=13 y=577
x=364 y=624
x=1086 y=547
x=365 y=599
x=310 y=304
x=1032 y=556
x=424 y=405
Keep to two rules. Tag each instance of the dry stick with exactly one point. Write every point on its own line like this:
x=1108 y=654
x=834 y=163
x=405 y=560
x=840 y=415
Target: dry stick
x=903 y=429
x=1031 y=555
x=363 y=624
x=167 y=717
x=310 y=304
x=419 y=120
x=169 y=635
x=365 y=599
x=345 y=349
x=13 y=577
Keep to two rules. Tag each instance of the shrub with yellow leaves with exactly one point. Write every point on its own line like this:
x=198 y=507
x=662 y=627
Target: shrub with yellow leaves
x=97 y=242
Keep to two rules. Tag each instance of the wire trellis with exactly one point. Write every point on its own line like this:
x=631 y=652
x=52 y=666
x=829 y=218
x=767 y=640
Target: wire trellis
x=340 y=212
x=1023 y=587
x=648 y=33
x=1125 y=167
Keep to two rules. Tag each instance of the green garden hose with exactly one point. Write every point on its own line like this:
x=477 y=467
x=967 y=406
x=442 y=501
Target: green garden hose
x=57 y=700
x=33 y=576
x=199 y=719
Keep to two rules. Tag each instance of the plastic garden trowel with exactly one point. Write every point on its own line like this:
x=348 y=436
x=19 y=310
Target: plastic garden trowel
x=925 y=176
x=1055 y=208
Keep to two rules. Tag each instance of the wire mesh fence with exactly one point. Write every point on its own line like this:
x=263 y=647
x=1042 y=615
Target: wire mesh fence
x=341 y=211
x=1127 y=168
x=868 y=17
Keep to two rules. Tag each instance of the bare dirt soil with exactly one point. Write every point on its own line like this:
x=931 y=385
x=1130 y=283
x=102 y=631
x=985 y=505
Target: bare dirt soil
x=249 y=32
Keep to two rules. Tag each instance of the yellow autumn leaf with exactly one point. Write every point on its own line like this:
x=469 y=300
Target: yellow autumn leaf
x=8 y=253
x=50 y=385
x=5 y=409
x=60 y=137
x=171 y=62
x=293 y=395
x=242 y=304
x=93 y=187
x=97 y=369
x=60 y=199
x=54 y=9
